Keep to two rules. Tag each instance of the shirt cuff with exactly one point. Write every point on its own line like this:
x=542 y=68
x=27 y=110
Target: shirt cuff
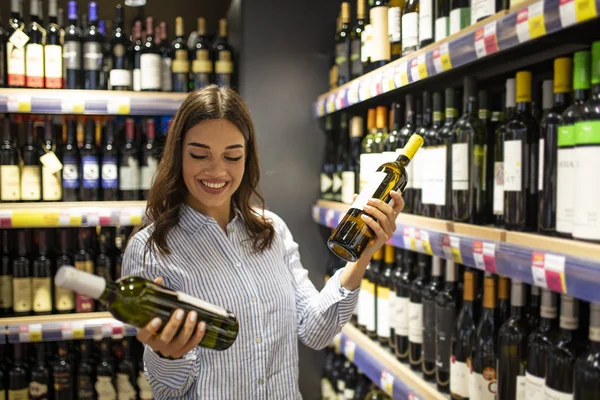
x=334 y=293
x=172 y=373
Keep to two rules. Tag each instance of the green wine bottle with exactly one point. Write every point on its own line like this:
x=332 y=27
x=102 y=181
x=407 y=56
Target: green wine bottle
x=136 y=301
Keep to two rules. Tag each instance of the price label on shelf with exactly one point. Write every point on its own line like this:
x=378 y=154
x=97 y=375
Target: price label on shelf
x=321 y=107
x=548 y=271
x=119 y=106
x=425 y=245
x=414 y=70
x=316 y=214
x=574 y=11
x=18 y=104
x=410 y=242
x=376 y=88
x=387 y=383
x=422 y=60
x=40 y=219
x=401 y=75
x=523 y=25
x=537 y=24
x=330 y=103
x=451 y=247
x=484 y=255
x=330 y=219
x=388 y=80
x=352 y=96
x=72 y=105
x=340 y=99
x=118 y=330
x=75 y=330
x=364 y=89
x=30 y=333
x=350 y=349
x=486 y=41
x=441 y=58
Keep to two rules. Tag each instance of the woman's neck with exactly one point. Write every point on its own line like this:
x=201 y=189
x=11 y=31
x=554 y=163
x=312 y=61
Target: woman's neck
x=221 y=214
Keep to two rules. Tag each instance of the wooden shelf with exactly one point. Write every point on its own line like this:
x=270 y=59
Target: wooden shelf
x=53 y=318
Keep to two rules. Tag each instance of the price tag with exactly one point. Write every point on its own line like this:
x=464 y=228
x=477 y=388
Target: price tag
x=6 y=218
x=451 y=247
x=376 y=87
x=119 y=106
x=549 y=271
x=409 y=238
x=106 y=330
x=485 y=256
x=388 y=82
x=486 y=41
x=401 y=75
x=30 y=333
x=364 y=89
x=414 y=70
x=574 y=11
x=19 y=38
x=118 y=330
x=70 y=331
x=387 y=383
x=75 y=217
x=537 y=25
x=350 y=349
x=316 y=214
x=425 y=244
x=18 y=104
x=92 y=218
x=330 y=218
x=352 y=95
x=330 y=104
x=441 y=58
x=72 y=106
x=321 y=107
x=422 y=60
x=523 y=25
x=40 y=219
x=340 y=99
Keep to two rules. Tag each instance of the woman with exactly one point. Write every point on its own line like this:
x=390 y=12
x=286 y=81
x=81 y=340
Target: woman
x=208 y=241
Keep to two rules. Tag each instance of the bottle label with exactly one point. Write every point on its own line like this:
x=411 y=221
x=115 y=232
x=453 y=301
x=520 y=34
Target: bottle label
x=51 y=185
x=482 y=8
x=375 y=180
x=460 y=166
x=63 y=299
x=144 y=387
x=34 y=64
x=415 y=325
x=92 y=56
x=460 y=18
x=72 y=55
x=348 y=186
x=150 y=69
x=91 y=172
x=409 y=170
x=180 y=64
x=38 y=391
x=15 y=64
x=587 y=153
x=31 y=183
x=365 y=39
x=434 y=176
x=125 y=389
x=361 y=314
x=10 y=182
x=565 y=189
x=105 y=388
x=498 y=188
x=6 y=292
x=442 y=28
x=551 y=394
x=534 y=387
x=137 y=80
x=326 y=183
x=22 y=294
x=367 y=303
x=401 y=327
x=202 y=64
x=418 y=161
x=166 y=64
x=326 y=388
x=224 y=64
x=392 y=306
x=336 y=186
x=120 y=77
x=110 y=179
x=341 y=60
x=521 y=388
x=425 y=20
x=20 y=394
x=85 y=387
x=410 y=30
x=201 y=304
x=483 y=386
x=380 y=50
x=445 y=318
x=394 y=21
x=42 y=294
x=429 y=331
x=148 y=173
x=459 y=378
x=541 y=165
x=349 y=394
x=70 y=173
x=513 y=162
x=355 y=57
x=383 y=312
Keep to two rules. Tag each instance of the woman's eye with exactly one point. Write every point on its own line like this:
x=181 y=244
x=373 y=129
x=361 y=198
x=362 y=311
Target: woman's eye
x=197 y=157
x=233 y=158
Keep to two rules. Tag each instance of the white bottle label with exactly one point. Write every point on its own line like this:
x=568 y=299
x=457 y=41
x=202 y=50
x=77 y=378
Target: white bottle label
x=551 y=394
x=498 y=188
x=34 y=65
x=166 y=82
x=211 y=308
x=383 y=312
x=415 y=326
x=565 y=190
x=376 y=179
x=130 y=175
x=541 y=165
x=365 y=39
x=441 y=28
x=360 y=306
x=481 y=388
x=125 y=389
x=425 y=20
x=513 y=163
x=534 y=387
x=392 y=306
x=120 y=77
x=410 y=30
x=394 y=18
x=137 y=80
x=31 y=184
x=10 y=183
x=348 y=186
x=369 y=162
x=587 y=193
x=521 y=387
x=150 y=70
x=459 y=378
x=417 y=162
x=337 y=183
x=460 y=166
x=349 y=394
x=53 y=65
x=482 y=8
x=51 y=185
x=434 y=176
x=459 y=19
x=148 y=173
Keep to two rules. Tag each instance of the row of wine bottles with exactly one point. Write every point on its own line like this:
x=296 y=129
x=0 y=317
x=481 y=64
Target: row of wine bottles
x=94 y=159
x=478 y=335
x=31 y=257
x=81 y=55
x=516 y=168
x=68 y=370
x=390 y=29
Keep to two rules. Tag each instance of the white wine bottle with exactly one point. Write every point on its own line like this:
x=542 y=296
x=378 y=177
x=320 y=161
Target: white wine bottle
x=136 y=301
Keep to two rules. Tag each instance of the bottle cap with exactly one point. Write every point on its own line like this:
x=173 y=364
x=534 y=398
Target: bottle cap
x=562 y=75
x=549 y=304
x=581 y=70
x=370 y=119
x=81 y=282
x=470 y=88
x=517 y=294
x=469 y=286
x=93 y=11
x=390 y=255
x=345 y=17
x=378 y=255
x=451 y=271
x=201 y=28
x=596 y=63
x=381 y=120
x=223 y=28
x=356 y=127
x=34 y=8
x=489 y=292
x=412 y=146
x=72 y=10
x=511 y=93
x=569 y=313
x=436 y=269
x=594 y=321
x=547 y=94
x=360 y=8
x=523 y=87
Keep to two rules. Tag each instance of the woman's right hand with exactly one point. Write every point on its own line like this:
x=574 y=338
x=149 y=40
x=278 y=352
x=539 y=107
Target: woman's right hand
x=167 y=343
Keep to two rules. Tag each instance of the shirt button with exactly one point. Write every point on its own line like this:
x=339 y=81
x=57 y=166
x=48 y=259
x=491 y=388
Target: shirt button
x=260 y=381
x=258 y=339
x=253 y=299
x=238 y=264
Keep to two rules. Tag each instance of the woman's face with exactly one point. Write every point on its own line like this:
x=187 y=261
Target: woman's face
x=214 y=155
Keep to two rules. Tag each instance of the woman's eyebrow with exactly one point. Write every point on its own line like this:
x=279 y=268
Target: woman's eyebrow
x=233 y=146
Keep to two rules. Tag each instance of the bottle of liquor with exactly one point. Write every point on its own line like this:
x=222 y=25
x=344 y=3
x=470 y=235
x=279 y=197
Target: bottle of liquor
x=149 y=159
x=109 y=164
x=3 y=59
x=426 y=16
x=405 y=133
x=18 y=375
x=150 y=65
x=512 y=346
x=42 y=272
x=352 y=235
x=468 y=167
x=366 y=40
x=166 y=57
x=520 y=155
x=391 y=141
x=566 y=154
x=64 y=299
x=410 y=27
x=460 y=15
x=383 y=296
x=538 y=346
x=136 y=38
x=62 y=374
x=71 y=163
x=85 y=372
x=120 y=74
x=356 y=61
x=381 y=134
x=503 y=299
x=401 y=327
x=15 y=55
x=40 y=381
x=447 y=303
x=395 y=276
x=433 y=180
x=223 y=57
x=6 y=276
x=51 y=180
x=10 y=173
x=328 y=165
x=31 y=171
x=380 y=46
x=202 y=61
x=586 y=376
x=369 y=154
x=563 y=352
x=442 y=19
x=350 y=174
x=421 y=158
x=585 y=224
x=533 y=306
x=22 y=290
x=92 y=50
x=127 y=373
x=510 y=104
x=482 y=9
x=394 y=28
x=180 y=67
x=125 y=299
x=90 y=164
x=486 y=118
x=341 y=158
x=105 y=372
x=342 y=46
x=443 y=204
x=372 y=274
x=83 y=262
x=34 y=49
x=415 y=312
x=72 y=54
x=430 y=292
x=462 y=341
x=104 y=264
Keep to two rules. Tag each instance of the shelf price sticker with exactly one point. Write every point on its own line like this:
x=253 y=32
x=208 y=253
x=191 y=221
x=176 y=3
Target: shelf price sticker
x=74 y=330
x=530 y=22
x=486 y=40
x=321 y=107
x=401 y=75
x=350 y=349
x=414 y=69
x=388 y=80
x=119 y=106
x=316 y=214
x=72 y=106
x=118 y=330
x=330 y=219
x=422 y=60
x=376 y=84
x=387 y=383
x=330 y=103
x=30 y=333
x=548 y=271
x=18 y=104
x=364 y=89
x=441 y=58
x=423 y=244
x=340 y=99
x=38 y=219
x=574 y=11
x=484 y=255
x=451 y=247
x=352 y=95
x=410 y=242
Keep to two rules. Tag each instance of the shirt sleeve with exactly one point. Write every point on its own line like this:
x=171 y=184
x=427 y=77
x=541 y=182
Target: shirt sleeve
x=167 y=378
x=320 y=315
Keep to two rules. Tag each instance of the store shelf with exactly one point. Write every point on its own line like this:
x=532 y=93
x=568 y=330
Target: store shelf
x=382 y=367
x=562 y=265
x=90 y=102
x=49 y=328
x=497 y=34
x=75 y=214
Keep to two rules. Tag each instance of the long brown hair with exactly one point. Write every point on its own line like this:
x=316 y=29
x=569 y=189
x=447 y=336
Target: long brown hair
x=168 y=191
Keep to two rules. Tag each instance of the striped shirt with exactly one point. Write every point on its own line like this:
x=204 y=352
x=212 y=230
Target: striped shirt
x=270 y=293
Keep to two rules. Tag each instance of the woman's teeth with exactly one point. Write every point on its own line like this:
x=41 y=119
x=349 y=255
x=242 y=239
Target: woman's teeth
x=214 y=185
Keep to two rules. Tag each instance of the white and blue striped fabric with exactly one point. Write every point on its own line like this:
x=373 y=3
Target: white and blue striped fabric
x=270 y=293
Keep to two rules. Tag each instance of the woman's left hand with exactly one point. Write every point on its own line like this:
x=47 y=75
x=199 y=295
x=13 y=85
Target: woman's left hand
x=384 y=224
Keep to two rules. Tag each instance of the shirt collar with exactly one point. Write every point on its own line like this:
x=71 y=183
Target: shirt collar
x=193 y=220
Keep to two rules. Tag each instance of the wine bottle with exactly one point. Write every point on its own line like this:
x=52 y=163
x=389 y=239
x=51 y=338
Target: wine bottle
x=585 y=224
x=92 y=50
x=512 y=346
x=109 y=181
x=421 y=158
x=566 y=154
x=520 y=155
x=10 y=173
x=34 y=49
x=72 y=54
x=40 y=382
x=482 y=9
x=433 y=179
x=150 y=63
x=443 y=203
x=485 y=116
x=350 y=173
x=352 y=235
x=51 y=180
x=429 y=294
x=415 y=312
x=31 y=170
x=468 y=162
x=84 y=262
x=22 y=290
x=328 y=166
x=104 y=263
x=6 y=276
x=539 y=343
x=342 y=46
x=410 y=27
x=563 y=352
x=18 y=375
x=15 y=55
x=120 y=74
x=90 y=164
x=64 y=299
x=586 y=376
x=384 y=297
x=426 y=16
x=223 y=57
x=371 y=305
x=202 y=60
x=129 y=169
x=136 y=38
x=381 y=134
x=442 y=22
x=180 y=67
x=447 y=303
x=86 y=372
x=380 y=42
x=394 y=28
x=62 y=374
x=405 y=133
x=510 y=104
x=460 y=15
x=533 y=306
x=136 y=301
x=547 y=165
x=368 y=152
x=366 y=40
x=462 y=341
x=41 y=285
x=127 y=373
x=71 y=163
x=390 y=143
x=148 y=160
x=105 y=372
x=503 y=299
x=403 y=285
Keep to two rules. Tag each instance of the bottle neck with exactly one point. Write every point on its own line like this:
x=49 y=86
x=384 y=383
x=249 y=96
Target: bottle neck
x=596 y=90
x=470 y=106
x=517 y=311
x=561 y=99
x=579 y=95
x=110 y=292
x=547 y=323
x=524 y=107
